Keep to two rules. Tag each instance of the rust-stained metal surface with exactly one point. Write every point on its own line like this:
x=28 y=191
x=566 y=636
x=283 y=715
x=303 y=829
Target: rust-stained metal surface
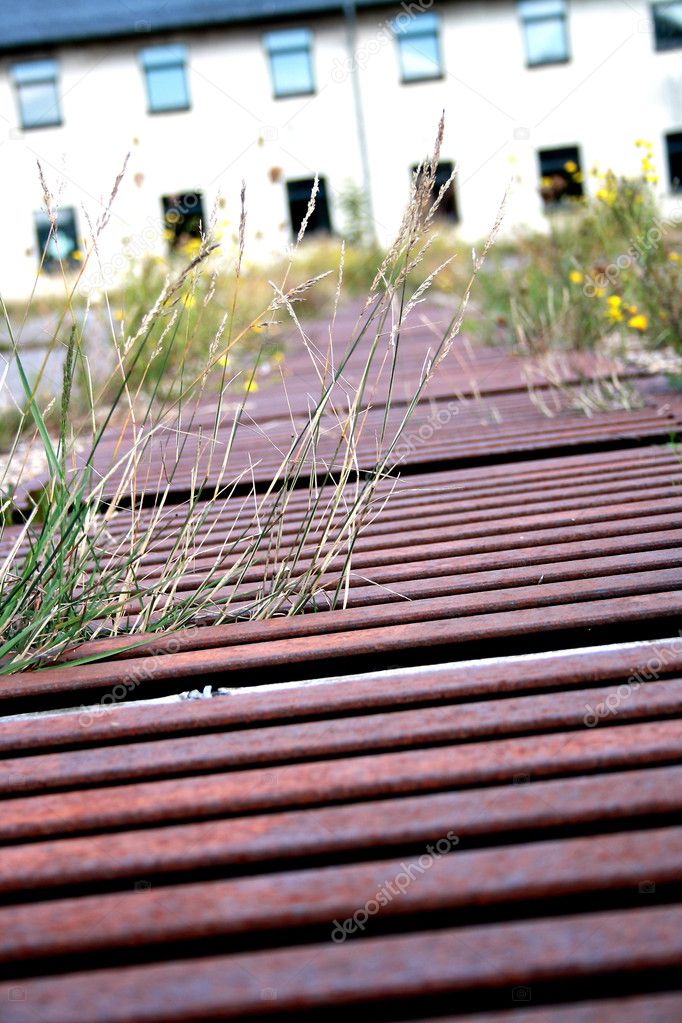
x=443 y=432
x=519 y=816
x=454 y=562
x=485 y=404
x=456 y=798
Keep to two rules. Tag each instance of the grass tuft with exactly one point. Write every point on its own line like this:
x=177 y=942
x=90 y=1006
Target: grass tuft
x=102 y=551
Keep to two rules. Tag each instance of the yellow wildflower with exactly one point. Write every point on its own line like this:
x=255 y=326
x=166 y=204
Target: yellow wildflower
x=570 y=166
x=614 y=312
x=191 y=247
x=606 y=195
x=576 y=277
x=599 y=292
x=189 y=301
x=639 y=322
x=77 y=255
x=674 y=257
x=250 y=385
x=118 y=314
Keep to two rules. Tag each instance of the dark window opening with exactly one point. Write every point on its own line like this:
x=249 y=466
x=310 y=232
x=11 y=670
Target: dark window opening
x=37 y=93
x=299 y=193
x=561 y=176
x=448 y=209
x=667 y=25
x=674 y=147
x=58 y=245
x=183 y=217
x=545 y=33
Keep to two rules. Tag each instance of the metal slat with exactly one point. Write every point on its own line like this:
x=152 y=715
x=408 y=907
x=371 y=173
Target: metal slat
x=665 y=1008
x=201 y=666
x=316 y=976
x=618 y=798
x=360 y=693
x=343 y=780
x=459 y=883
x=345 y=736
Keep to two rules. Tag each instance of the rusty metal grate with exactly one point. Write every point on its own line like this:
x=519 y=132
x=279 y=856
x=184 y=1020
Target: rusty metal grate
x=191 y=859
x=457 y=561
x=227 y=835
x=443 y=433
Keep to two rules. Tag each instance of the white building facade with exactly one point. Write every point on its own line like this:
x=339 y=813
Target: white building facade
x=274 y=94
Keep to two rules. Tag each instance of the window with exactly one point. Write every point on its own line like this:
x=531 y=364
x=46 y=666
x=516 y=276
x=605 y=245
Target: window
x=183 y=217
x=166 y=77
x=544 y=31
x=667 y=25
x=418 y=46
x=447 y=209
x=299 y=193
x=37 y=93
x=560 y=175
x=59 y=246
x=674 y=147
x=290 y=62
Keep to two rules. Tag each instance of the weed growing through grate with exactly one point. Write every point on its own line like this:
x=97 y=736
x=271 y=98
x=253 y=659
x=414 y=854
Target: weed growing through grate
x=102 y=551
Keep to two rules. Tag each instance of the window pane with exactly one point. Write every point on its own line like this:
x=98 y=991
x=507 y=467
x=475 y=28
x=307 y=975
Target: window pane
x=293 y=39
x=409 y=25
x=529 y=9
x=160 y=56
x=183 y=216
x=167 y=88
x=39 y=104
x=447 y=210
x=420 y=57
x=298 y=193
x=35 y=71
x=546 y=41
x=668 y=24
x=59 y=246
x=674 y=144
x=291 y=72
x=560 y=175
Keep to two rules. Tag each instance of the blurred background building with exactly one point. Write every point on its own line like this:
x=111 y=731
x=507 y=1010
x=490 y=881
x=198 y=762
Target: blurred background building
x=206 y=94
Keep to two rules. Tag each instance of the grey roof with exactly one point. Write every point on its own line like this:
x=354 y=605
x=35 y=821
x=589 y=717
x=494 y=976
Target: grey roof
x=43 y=23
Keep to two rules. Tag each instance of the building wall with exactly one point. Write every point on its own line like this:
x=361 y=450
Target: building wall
x=614 y=89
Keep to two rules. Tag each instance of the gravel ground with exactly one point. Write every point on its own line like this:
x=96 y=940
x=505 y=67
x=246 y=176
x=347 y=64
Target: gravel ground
x=33 y=339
